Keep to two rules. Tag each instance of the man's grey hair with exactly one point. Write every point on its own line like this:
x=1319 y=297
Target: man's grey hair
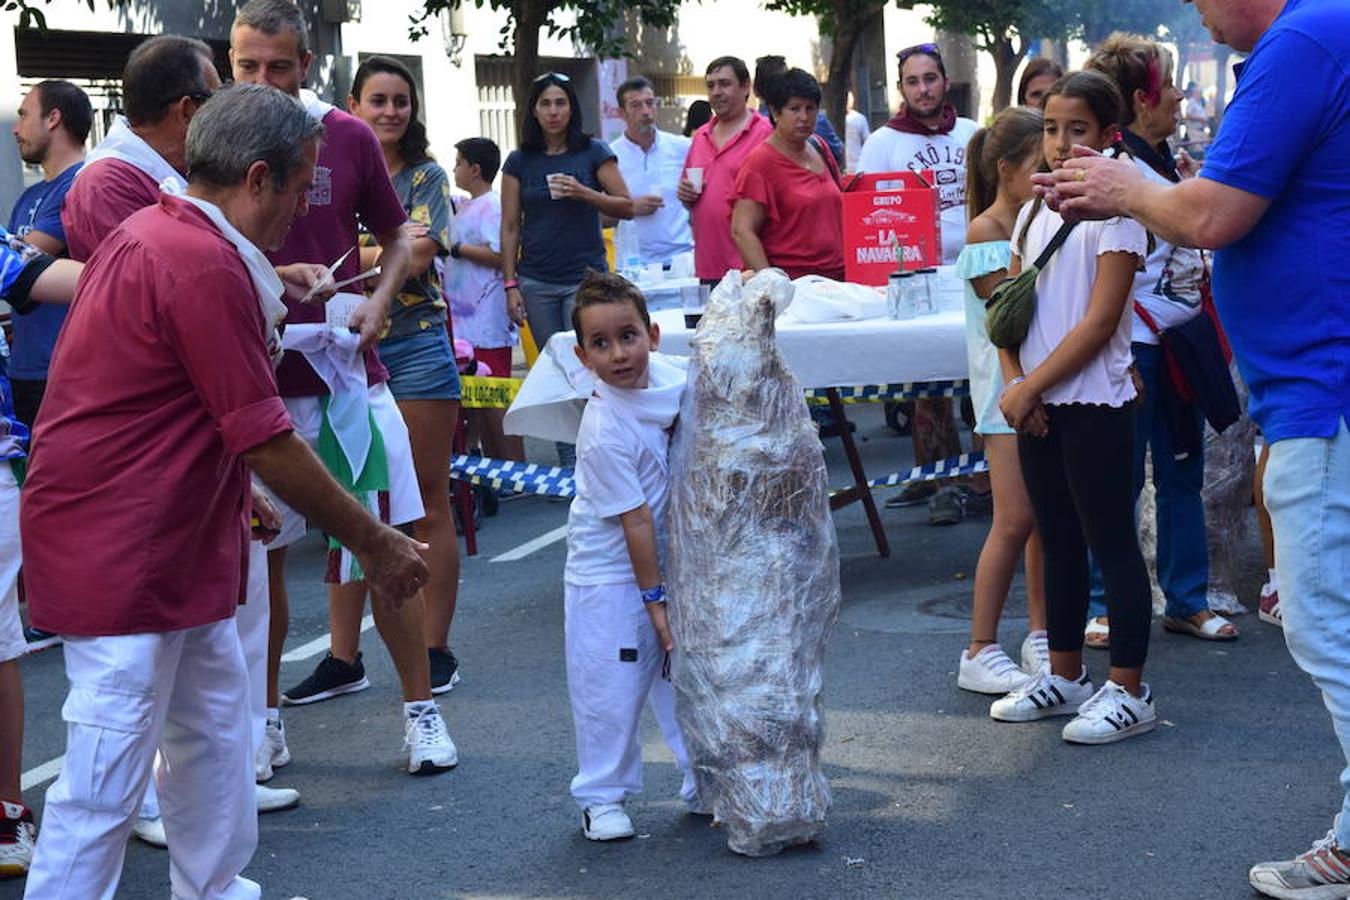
x=271 y=16
x=247 y=123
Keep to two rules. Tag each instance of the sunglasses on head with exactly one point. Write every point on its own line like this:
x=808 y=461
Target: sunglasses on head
x=556 y=76
x=925 y=49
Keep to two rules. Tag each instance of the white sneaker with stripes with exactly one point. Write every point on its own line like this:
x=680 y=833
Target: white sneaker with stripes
x=1045 y=695
x=989 y=672
x=1112 y=714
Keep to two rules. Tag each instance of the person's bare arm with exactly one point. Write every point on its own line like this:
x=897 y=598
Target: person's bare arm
x=510 y=243
x=1197 y=212
x=639 y=533
x=747 y=218
x=57 y=284
x=395 y=260
x=481 y=254
x=391 y=561
x=612 y=199
x=45 y=242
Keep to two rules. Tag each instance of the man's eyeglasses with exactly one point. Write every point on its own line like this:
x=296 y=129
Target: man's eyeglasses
x=199 y=98
x=555 y=76
x=925 y=49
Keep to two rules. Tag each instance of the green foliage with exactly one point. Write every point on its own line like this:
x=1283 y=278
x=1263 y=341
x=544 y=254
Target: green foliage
x=596 y=22
x=31 y=16
x=828 y=11
x=993 y=22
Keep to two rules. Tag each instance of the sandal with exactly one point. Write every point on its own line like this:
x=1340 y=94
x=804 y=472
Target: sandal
x=1097 y=635
x=1208 y=630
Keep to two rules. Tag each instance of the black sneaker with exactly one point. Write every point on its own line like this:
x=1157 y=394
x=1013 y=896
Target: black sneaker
x=979 y=503
x=39 y=639
x=948 y=507
x=912 y=494
x=444 y=669
x=331 y=678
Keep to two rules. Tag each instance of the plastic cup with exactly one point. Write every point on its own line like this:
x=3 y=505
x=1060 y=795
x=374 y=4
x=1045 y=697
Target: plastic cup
x=553 y=185
x=695 y=177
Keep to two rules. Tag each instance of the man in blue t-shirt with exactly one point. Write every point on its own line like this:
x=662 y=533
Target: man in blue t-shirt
x=1273 y=199
x=54 y=120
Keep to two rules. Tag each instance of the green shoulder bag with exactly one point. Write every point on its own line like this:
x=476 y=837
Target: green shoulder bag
x=1008 y=311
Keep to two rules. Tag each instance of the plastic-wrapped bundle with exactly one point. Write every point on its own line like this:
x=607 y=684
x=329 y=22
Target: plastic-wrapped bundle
x=753 y=571
x=1230 y=463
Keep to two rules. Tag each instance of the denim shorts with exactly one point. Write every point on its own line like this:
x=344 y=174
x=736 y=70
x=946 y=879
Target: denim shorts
x=421 y=366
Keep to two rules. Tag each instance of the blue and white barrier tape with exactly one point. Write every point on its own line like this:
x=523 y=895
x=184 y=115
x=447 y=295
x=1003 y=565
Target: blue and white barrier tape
x=525 y=478
x=878 y=393
x=965 y=464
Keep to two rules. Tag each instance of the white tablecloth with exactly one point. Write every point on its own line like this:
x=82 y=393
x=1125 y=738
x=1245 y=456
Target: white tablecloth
x=845 y=354
x=833 y=354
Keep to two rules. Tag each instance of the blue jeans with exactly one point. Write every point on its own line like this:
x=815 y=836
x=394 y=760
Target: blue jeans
x=1307 y=489
x=1183 y=557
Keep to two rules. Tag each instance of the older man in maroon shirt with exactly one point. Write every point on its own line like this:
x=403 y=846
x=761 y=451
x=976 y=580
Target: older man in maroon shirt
x=162 y=399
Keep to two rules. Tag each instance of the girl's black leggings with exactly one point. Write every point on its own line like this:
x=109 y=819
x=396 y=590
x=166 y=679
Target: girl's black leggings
x=1079 y=478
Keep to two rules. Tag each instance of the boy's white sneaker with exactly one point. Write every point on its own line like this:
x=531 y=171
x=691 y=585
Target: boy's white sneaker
x=1044 y=696
x=18 y=835
x=989 y=672
x=606 y=822
x=273 y=754
x=1035 y=652
x=1112 y=714
x=150 y=830
x=427 y=740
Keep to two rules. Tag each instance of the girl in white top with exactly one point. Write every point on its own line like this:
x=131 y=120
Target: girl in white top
x=1069 y=394
x=1000 y=160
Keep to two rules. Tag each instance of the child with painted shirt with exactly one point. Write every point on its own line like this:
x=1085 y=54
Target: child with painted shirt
x=617 y=633
x=1070 y=396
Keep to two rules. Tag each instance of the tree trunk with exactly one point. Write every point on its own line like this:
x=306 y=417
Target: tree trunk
x=1221 y=55
x=849 y=25
x=1006 y=58
x=529 y=16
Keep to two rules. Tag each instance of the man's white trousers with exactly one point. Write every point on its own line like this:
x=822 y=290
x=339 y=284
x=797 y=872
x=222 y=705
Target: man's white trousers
x=614 y=666
x=185 y=693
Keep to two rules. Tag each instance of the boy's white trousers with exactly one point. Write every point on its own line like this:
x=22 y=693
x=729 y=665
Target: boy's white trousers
x=184 y=693
x=613 y=667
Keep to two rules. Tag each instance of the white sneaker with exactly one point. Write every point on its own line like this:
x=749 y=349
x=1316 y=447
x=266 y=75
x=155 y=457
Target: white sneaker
x=1112 y=714
x=273 y=754
x=274 y=799
x=989 y=672
x=606 y=822
x=430 y=749
x=18 y=834
x=1045 y=695
x=150 y=830
x=1035 y=652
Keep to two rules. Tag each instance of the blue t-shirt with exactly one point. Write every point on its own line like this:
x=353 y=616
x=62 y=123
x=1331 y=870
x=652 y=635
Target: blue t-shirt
x=1283 y=290
x=39 y=209
x=559 y=239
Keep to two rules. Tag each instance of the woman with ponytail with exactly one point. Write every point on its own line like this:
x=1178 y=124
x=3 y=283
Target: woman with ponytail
x=1000 y=160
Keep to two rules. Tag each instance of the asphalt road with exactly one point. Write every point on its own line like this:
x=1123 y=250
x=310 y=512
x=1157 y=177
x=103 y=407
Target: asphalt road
x=932 y=798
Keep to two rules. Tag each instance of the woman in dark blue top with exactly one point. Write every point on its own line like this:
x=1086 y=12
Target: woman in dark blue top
x=554 y=190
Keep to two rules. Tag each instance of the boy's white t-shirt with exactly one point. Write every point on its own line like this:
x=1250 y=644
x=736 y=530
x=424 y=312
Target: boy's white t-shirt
x=621 y=464
x=888 y=150
x=1062 y=293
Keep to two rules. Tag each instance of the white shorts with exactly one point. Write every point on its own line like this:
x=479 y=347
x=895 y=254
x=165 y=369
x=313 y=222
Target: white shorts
x=12 y=642
x=405 y=498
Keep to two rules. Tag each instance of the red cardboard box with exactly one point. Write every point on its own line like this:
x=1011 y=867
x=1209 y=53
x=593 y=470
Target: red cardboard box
x=878 y=217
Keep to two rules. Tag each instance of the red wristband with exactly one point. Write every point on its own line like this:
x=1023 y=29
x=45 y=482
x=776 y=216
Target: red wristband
x=510 y=283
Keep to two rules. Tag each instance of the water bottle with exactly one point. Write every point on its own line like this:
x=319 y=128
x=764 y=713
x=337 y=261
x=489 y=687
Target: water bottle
x=627 y=253
x=925 y=296
x=900 y=295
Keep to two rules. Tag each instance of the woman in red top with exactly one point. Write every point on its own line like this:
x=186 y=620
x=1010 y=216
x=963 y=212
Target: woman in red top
x=787 y=210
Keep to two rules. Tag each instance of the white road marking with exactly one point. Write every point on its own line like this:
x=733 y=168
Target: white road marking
x=529 y=547
x=43 y=773
x=321 y=644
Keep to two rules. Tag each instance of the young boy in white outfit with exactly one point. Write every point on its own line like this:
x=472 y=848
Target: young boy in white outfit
x=617 y=634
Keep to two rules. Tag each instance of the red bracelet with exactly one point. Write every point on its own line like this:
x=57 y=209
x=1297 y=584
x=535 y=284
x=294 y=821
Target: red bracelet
x=510 y=283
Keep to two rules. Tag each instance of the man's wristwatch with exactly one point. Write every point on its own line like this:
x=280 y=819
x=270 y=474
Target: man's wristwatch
x=454 y=250
x=654 y=594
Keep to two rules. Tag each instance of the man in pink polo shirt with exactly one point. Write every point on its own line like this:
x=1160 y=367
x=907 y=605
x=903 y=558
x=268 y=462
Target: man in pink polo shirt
x=161 y=400
x=718 y=149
